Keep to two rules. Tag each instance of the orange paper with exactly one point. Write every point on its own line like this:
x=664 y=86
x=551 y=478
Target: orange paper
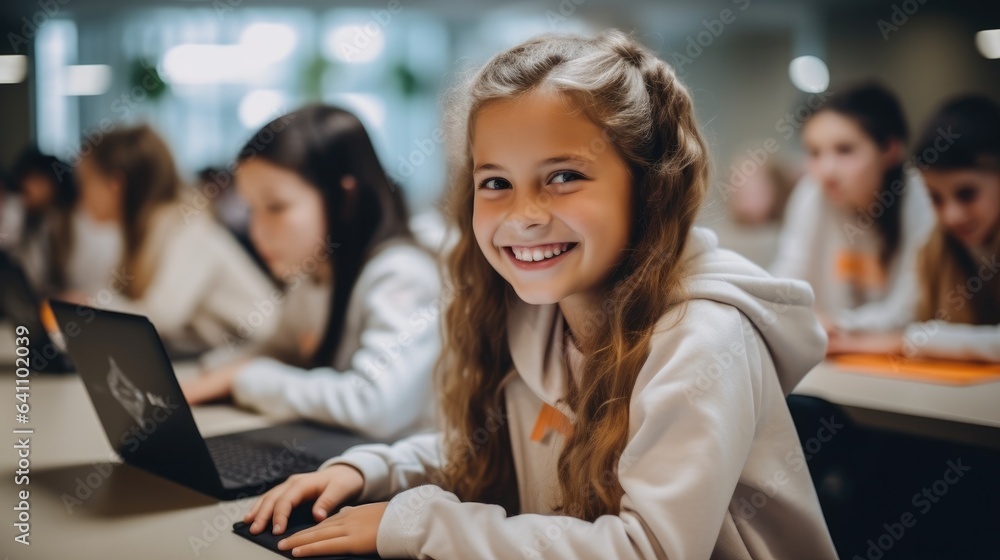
x=860 y=269
x=947 y=372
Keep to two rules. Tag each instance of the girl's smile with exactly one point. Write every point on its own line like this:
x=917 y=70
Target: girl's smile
x=553 y=199
x=538 y=256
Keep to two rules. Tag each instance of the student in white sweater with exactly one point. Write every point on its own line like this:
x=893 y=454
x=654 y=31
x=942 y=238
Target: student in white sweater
x=174 y=263
x=855 y=222
x=613 y=383
x=358 y=334
x=958 y=309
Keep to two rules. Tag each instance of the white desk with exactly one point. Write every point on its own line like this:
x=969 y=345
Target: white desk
x=129 y=513
x=971 y=404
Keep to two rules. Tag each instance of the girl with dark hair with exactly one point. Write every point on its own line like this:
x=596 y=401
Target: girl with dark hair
x=855 y=222
x=358 y=336
x=959 y=297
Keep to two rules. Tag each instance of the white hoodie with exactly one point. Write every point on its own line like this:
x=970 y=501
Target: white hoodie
x=712 y=466
x=379 y=383
x=818 y=242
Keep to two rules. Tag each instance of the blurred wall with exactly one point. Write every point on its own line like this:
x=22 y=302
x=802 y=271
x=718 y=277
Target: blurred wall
x=740 y=80
x=15 y=107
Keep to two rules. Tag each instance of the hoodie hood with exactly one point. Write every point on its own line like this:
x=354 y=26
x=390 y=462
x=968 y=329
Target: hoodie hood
x=780 y=309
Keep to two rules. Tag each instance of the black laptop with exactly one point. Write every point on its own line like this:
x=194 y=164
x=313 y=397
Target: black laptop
x=22 y=307
x=139 y=401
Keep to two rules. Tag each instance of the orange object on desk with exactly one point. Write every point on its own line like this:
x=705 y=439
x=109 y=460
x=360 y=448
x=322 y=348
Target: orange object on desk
x=947 y=372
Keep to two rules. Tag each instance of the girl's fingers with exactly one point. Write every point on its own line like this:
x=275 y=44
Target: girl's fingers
x=263 y=514
x=331 y=522
x=312 y=535
x=333 y=495
x=299 y=489
x=265 y=507
x=256 y=506
x=338 y=545
x=252 y=512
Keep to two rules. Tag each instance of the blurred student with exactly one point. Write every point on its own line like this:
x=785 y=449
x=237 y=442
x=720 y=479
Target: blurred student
x=855 y=222
x=580 y=407
x=47 y=195
x=759 y=200
x=11 y=214
x=959 y=268
x=175 y=265
x=359 y=332
x=756 y=196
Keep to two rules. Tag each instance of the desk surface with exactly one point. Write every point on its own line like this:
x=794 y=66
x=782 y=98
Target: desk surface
x=970 y=404
x=84 y=502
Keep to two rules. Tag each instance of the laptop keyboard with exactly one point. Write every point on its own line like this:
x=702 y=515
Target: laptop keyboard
x=253 y=462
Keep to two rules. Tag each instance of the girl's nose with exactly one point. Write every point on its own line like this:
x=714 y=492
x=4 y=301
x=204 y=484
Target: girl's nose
x=529 y=210
x=952 y=215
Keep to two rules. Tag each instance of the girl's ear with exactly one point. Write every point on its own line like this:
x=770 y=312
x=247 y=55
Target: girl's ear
x=349 y=183
x=892 y=155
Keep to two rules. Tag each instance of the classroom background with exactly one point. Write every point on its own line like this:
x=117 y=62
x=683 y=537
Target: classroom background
x=207 y=74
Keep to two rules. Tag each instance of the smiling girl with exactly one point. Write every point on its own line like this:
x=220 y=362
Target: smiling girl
x=855 y=222
x=959 y=303
x=613 y=383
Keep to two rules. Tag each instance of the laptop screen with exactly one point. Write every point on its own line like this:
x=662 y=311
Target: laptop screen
x=134 y=390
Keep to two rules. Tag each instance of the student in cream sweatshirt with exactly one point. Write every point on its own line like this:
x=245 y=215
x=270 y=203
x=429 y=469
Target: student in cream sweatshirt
x=613 y=384
x=174 y=263
x=855 y=222
x=958 y=312
x=358 y=333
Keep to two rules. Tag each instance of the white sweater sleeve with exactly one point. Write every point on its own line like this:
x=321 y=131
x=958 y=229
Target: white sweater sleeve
x=938 y=339
x=390 y=469
x=796 y=256
x=183 y=276
x=679 y=472
x=399 y=329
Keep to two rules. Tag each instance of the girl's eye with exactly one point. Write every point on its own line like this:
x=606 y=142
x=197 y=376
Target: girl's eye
x=845 y=149
x=494 y=184
x=275 y=208
x=966 y=196
x=566 y=177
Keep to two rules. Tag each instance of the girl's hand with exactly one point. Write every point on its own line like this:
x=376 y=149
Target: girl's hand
x=865 y=343
x=211 y=385
x=828 y=325
x=330 y=487
x=354 y=530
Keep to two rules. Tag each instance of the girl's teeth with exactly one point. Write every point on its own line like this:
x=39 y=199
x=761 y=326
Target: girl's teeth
x=538 y=254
